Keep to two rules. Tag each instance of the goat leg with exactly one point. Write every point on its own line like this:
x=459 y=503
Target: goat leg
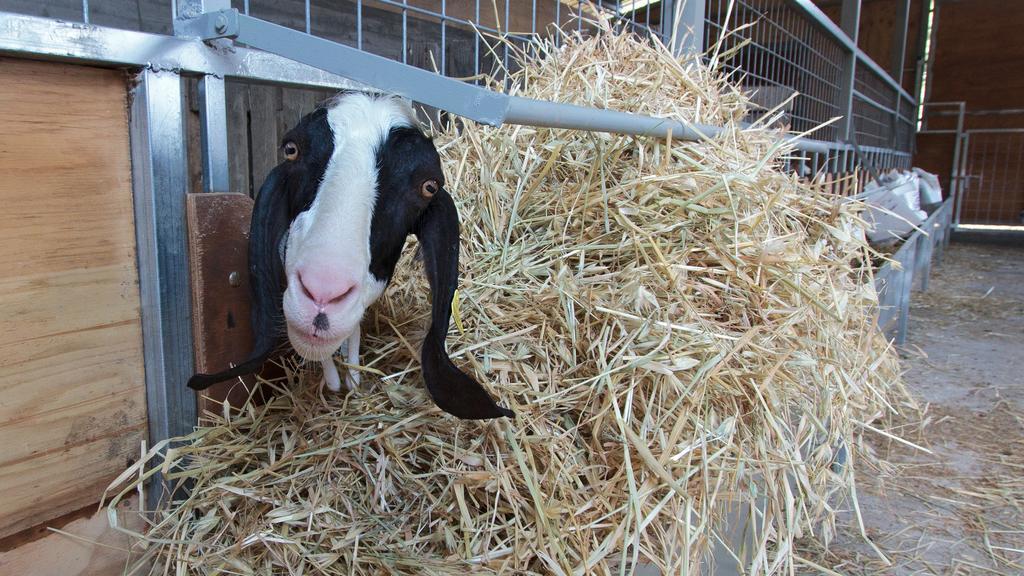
x=352 y=355
x=331 y=378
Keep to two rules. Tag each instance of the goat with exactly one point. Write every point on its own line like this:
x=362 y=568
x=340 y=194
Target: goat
x=328 y=228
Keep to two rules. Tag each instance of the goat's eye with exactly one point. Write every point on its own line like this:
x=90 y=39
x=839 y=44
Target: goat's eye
x=291 y=151
x=429 y=188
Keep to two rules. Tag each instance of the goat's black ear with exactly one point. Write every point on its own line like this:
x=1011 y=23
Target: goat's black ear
x=452 y=390
x=270 y=222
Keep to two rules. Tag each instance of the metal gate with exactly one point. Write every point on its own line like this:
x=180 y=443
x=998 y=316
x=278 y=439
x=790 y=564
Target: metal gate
x=992 y=178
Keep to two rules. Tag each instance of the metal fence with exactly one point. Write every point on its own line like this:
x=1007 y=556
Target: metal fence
x=985 y=177
x=993 y=182
x=775 y=47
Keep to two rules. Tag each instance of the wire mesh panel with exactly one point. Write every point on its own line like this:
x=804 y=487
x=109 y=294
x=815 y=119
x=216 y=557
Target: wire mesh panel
x=993 y=190
x=776 y=51
x=905 y=126
x=153 y=16
x=875 y=106
x=457 y=38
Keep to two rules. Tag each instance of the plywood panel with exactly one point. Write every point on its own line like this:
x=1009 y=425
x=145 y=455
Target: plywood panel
x=72 y=396
x=86 y=546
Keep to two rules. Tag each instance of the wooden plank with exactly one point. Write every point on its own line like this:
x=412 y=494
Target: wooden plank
x=74 y=477
x=92 y=549
x=237 y=96
x=193 y=136
x=72 y=395
x=105 y=402
x=218 y=250
x=265 y=144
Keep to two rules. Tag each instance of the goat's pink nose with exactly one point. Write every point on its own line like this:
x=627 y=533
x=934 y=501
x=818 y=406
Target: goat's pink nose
x=324 y=286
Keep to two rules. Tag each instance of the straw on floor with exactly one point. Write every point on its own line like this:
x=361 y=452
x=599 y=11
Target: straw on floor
x=680 y=327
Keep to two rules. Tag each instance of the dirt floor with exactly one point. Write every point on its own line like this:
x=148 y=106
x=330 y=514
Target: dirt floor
x=960 y=508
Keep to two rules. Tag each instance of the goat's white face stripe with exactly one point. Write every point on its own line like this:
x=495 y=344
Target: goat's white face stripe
x=335 y=231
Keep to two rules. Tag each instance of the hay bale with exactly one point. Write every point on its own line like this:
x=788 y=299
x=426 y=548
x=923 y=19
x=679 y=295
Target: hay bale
x=678 y=326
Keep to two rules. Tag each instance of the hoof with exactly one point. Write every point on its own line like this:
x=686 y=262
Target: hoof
x=352 y=379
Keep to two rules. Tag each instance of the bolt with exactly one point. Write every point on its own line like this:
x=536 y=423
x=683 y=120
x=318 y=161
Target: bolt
x=235 y=279
x=220 y=24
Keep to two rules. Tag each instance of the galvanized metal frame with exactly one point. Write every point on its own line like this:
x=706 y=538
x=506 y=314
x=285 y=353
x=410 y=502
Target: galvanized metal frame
x=911 y=265
x=934 y=235
x=214 y=133
x=893 y=282
x=45 y=38
x=850 y=23
x=899 y=54
x=160 y=183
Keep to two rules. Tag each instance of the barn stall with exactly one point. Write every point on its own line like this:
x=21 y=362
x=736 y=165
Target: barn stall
x=149 y=268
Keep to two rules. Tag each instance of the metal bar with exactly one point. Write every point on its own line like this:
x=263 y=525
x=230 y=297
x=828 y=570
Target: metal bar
x=85 y=11
x=309 y=28
x=647 y=19
x=1000 y=112
x=533 y=18
x=214 y=133
x=873 y=103
x=476 y=43
x=505 y=44
x=71 y=42
x=359 y=24
x=160 y=184
x=899 y=53
x=668 y=9
x=558 y=21
x=689 y=27
x=850 y=18
x=965 y=148
x=954 y=176
x=994 y=131
x=444 y=21
x=909 y=248
x=894 y=126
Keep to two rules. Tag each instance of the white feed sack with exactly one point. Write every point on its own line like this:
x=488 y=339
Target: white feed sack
x=893 y=207
x=929 y=188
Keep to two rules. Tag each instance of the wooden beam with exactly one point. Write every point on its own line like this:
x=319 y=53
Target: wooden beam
x=218 y=228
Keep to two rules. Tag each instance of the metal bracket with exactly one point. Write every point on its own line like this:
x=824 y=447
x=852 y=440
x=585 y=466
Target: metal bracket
x=209 y=25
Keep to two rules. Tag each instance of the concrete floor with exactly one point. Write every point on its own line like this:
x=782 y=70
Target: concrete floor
x=959 y=509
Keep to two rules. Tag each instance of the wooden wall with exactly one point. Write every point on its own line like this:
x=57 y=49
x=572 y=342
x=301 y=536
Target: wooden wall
x=979 y=54
x=979 y=59
x=72 y=390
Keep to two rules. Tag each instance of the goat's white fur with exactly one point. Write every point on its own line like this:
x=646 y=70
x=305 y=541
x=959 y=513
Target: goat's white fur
x=336 y=228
